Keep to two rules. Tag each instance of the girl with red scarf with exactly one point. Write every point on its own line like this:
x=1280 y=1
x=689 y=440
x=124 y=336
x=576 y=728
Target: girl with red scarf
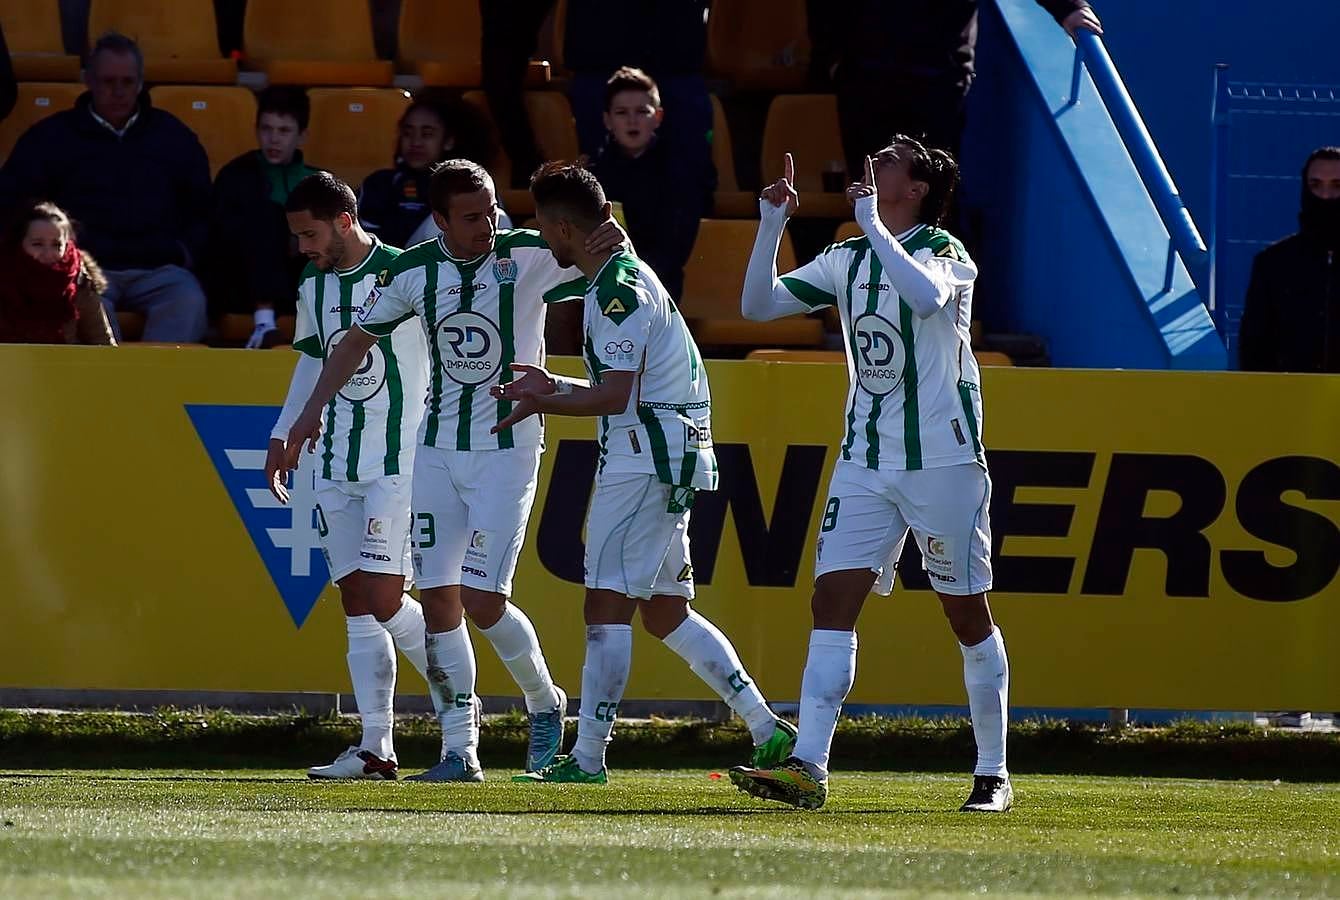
x=50 y=291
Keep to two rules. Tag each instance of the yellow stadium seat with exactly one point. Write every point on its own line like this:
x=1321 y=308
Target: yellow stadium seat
x=36 y=49
x=712 y=282
x=354 y=130
x=992 y=358
x=806 y=126
x=36 y=101
x=439 y=40
x=554 y=126
x=224 y=118
x=808 y=356
x=847 y=230
x=179 y=39
x=729 y=202
x=297 y=43
x=555 y=131
x=759 y=44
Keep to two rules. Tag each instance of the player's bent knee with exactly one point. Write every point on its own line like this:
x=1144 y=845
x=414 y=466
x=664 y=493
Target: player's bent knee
x=484 y=608
x=969 y=617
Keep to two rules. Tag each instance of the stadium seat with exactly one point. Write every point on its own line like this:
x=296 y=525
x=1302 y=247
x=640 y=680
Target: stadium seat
x=179 y=39
x=36 y=101
x=353 y=130
x=439 y=40
x=759 y=44
x=33 y=34
x=729 y=202
x=555 y=131
x=806 y=126
x=712 y=282
x=224 y=118
x=992 y=358
x=847 y=230
x=294 y=45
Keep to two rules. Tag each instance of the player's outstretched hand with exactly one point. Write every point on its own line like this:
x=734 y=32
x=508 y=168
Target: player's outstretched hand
x=524 y=407
x=534 y=381
x=866 y=186
x=276 y=476
x=606 y=237
x=782 y=192
x=307 y=430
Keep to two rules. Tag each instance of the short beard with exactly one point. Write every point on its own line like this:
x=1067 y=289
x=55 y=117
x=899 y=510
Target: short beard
x=336 y=251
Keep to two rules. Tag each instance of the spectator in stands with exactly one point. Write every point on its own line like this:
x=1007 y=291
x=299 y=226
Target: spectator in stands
x=393 y=203
x=254 y=265
x=1291 y=319
x=9 y=86
x=905 y=65
x=663 y=194
x=137 y=182
x=51 y=290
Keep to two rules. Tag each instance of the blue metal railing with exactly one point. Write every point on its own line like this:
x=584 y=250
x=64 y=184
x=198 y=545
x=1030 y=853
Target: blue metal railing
x=1186 y=240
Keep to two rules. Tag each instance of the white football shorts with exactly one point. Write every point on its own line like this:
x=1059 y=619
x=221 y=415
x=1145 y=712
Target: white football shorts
x=364 y=525
x=470 y=513
x=637 y=540
x=869 y=513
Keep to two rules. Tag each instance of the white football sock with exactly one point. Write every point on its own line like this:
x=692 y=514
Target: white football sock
x=830 y=671
x=372 y=670
x=407 y=630
x=712 y=658
x=986 y=675
x=513 y=636
x=609 y=656
x=451 y=678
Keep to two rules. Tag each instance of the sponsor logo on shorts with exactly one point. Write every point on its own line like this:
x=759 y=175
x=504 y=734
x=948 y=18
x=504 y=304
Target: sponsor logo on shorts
x=632 y=439
x=418 y=564
x=939 y=558
x=478 y=573
x=376 y=527
x=819 y=551
x=379 y=557
x=479 y=540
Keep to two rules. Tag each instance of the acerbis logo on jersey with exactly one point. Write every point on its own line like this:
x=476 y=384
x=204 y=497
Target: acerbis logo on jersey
x=364 y=384
x=470 y=347
x=286 y=537
x=880 y=356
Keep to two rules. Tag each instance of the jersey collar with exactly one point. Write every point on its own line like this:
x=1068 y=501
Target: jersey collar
x=362 y=264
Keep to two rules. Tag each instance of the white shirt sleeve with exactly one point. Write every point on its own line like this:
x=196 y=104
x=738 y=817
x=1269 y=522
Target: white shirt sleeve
x=765 y=296
x=305 y=375
x=926 y=282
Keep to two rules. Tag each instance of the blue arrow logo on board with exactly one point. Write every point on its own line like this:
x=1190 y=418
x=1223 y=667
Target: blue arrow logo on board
x=236 y=437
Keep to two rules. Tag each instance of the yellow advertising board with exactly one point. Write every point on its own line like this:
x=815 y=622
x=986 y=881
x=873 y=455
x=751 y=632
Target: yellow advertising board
x=1163 y=539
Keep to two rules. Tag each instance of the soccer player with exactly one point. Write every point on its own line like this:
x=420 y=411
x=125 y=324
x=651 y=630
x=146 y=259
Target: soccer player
x=912 y=456
x=648 y=386
x=479 y=293
x=366 y=458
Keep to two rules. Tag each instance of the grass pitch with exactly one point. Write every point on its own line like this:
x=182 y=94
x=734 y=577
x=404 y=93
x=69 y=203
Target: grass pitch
x=269 y=833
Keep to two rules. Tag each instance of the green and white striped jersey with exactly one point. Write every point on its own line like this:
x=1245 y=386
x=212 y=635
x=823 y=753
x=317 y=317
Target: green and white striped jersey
x=371 y=424
x=914 y=400
x=632 y=325
x=480 y=316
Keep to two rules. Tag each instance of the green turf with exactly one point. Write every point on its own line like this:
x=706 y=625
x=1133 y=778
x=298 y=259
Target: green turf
x=267 y=833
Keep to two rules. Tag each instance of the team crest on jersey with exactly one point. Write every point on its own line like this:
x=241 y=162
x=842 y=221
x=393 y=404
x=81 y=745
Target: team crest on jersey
x=287 y=538
x=504 y=271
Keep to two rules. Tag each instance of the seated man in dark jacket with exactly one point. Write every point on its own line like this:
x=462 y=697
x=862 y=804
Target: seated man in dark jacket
x=1291 y=322
x=254 y=265
x=135 y=179
x=663 y=193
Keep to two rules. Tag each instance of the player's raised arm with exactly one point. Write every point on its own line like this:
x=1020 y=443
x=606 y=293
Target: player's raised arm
x=340 y=365
x=765 y=296
x=927 y=285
